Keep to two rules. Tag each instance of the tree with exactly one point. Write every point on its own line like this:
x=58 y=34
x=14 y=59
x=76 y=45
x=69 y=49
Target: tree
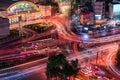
x=51 y=67
x=75 y=67
x=56 y=7
x=118 y=59
x=58 y=66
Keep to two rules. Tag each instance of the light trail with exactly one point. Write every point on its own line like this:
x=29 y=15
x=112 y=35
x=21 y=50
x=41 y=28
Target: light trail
x=109 y=61
x=21 y=73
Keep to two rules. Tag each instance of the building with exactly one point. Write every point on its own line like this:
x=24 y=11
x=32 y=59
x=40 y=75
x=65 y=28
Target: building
x=114 y=10
x=87 y=17
x=99 y=9
x=26 y=9
x=65 y=8
x=4 y=27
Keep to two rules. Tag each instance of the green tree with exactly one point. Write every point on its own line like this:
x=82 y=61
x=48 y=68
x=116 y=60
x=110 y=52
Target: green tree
x=51 y=67
x=58 y=66
x=75 y=67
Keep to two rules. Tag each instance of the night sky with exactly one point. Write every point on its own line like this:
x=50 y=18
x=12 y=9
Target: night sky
x=19 y=0
x=5 y=3
x=8 y=1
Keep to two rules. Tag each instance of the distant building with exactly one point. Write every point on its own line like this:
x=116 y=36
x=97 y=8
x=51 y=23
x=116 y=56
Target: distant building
x=87 y=17
x=65 y=7
x=114 y=10
x=4 y=27
x=26 y=9
x=99 y=9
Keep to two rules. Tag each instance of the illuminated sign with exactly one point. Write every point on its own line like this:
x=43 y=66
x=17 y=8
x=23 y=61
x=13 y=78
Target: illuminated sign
x=98 y=17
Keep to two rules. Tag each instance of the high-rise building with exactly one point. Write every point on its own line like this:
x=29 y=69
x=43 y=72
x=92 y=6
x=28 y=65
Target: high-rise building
x=114 y=11
x=99 y=9
x=87 y=17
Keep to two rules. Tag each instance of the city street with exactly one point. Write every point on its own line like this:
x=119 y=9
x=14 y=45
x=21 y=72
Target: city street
x=36 y=67
x=59 y=39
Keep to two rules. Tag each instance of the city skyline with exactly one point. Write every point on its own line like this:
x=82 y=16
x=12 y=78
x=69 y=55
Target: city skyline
x=59 y=41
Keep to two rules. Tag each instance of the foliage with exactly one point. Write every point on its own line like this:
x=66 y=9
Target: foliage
x=56 y=7
x=75 y=66
x=14 y=32
x=118 y=58
x=58 y=66
x=93 y=77
x=37 y=27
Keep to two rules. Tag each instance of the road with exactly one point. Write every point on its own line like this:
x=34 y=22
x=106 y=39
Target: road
x=30 y=70
x=33 y=37
x=27 y=70
x=68 y=35
x=62 y=33
x=110 y=61
x=22 y=70
x=107 y=59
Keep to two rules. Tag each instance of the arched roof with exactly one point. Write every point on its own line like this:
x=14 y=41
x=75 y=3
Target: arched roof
x=22 y=6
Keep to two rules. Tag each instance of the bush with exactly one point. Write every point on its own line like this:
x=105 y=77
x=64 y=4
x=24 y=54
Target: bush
x=39 y=27
x=14 y=32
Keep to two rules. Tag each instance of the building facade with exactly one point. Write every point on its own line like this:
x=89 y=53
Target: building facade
x=4 y=27
x=87 y=17
x=27 y=10
x=114 y=10
x=99 y=9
